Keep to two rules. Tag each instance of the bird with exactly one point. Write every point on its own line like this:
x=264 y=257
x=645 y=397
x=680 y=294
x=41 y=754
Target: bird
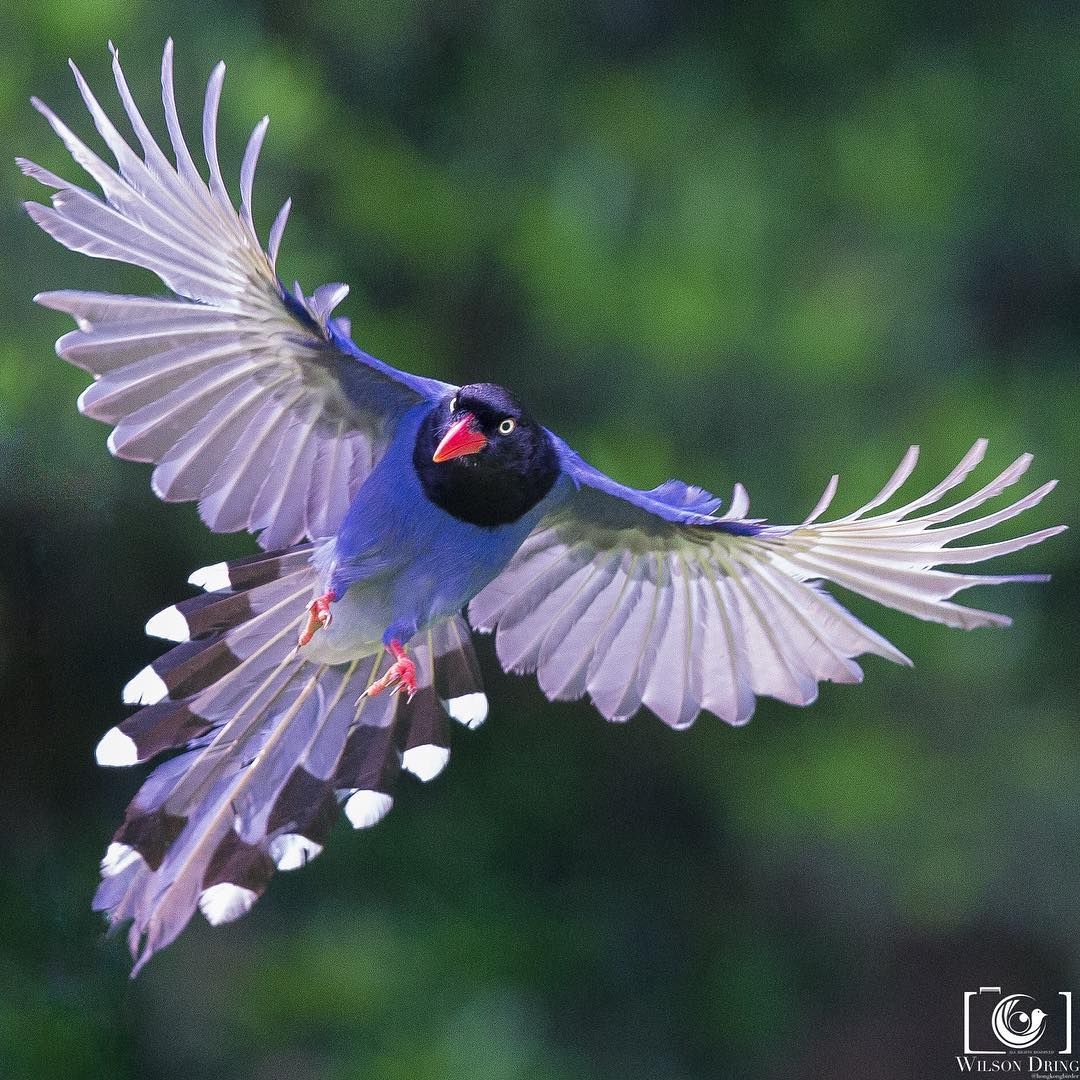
x=395 y=515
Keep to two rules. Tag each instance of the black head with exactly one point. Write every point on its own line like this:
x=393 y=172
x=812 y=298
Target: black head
x=482 y=458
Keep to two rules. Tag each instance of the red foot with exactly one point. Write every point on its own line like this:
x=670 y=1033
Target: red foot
x=319 y=615
x=400 y=677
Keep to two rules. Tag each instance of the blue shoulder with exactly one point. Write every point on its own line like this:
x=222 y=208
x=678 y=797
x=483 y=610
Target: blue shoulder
x=672 y=501
x=314 y=313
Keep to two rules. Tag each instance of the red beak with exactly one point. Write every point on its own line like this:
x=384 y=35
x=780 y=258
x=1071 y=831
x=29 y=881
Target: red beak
x=462 y=439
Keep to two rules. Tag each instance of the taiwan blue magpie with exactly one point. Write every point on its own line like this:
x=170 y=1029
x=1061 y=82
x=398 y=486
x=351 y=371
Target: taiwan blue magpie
x=305 y=678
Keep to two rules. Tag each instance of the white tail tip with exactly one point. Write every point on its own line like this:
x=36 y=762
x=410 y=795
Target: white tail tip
x=169 y=625
x=425 y=762
x=118 y=857
x=367 y=808
x=145 y=689
x=225 y=902
x=211 y=578
x=290 y=851
x=116 y=749
x=469 y=709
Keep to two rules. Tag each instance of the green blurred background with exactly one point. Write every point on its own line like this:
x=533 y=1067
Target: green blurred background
x=747 y=242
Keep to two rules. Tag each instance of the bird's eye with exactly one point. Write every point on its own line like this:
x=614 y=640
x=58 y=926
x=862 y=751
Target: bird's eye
x=453 y=403
x=507 y=426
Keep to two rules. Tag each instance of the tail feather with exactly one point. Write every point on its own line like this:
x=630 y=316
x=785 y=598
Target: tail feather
x=272 y=744
x=217 y=633
x=300 y=821
x=457 y=678
x=367 y=773
x=166 y=725
x=252 y=570
x=370 y=761
x=200 y=616
x=425 y=743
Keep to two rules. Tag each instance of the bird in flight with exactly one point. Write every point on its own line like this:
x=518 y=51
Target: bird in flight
x=305 y=678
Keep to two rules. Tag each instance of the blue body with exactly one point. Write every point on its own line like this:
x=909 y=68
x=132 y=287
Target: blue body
x=399 y=562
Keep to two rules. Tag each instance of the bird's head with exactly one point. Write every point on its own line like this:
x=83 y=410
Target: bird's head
x=482 y=425
x=482 y=458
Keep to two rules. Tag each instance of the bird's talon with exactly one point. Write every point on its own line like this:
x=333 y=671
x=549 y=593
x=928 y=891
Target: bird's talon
x=400 y=676
x=319 y=616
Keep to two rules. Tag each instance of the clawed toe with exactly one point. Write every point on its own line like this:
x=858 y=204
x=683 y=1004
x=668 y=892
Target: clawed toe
x=319 y=616
x=399 y=678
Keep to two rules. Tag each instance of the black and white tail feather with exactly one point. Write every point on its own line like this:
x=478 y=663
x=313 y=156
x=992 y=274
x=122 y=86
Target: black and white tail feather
x=270 y=745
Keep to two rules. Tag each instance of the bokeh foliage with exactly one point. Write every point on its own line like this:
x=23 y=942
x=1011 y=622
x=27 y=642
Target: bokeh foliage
x=756 y=242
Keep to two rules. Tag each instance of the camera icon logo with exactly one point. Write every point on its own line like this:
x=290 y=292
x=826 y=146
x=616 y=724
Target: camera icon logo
x=1015 y=1025
x=995 y=1023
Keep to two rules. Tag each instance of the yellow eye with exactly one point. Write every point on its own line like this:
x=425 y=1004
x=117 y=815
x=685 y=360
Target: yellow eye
x=507 y=426
x=453 y=403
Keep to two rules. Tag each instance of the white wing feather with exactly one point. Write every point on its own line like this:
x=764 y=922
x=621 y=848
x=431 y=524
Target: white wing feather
x=684 y=618
x=247 y=400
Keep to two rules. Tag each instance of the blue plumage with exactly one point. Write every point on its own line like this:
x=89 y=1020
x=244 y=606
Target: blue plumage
x=385 y=504
x=401 y=562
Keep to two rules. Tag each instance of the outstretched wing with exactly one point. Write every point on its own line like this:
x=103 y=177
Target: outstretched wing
x=644 y=598
x=252 y=400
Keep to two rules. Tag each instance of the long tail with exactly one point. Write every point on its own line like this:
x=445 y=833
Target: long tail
x=271 y=745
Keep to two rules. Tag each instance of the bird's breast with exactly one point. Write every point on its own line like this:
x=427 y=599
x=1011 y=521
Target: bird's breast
x=399 y=559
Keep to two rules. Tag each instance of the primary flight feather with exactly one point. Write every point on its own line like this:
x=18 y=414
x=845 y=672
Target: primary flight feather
x=305 y=678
